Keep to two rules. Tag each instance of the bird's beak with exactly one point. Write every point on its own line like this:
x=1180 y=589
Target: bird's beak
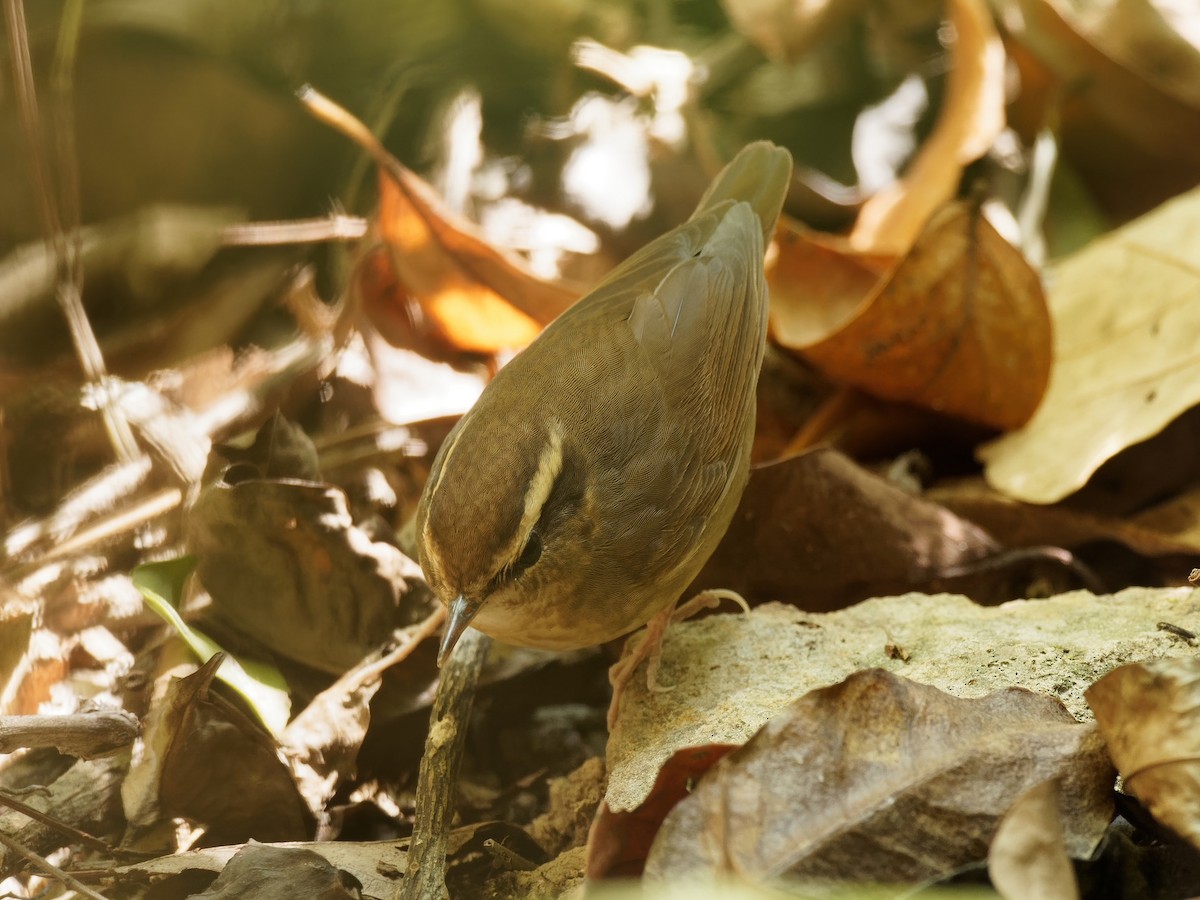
x=462 y=611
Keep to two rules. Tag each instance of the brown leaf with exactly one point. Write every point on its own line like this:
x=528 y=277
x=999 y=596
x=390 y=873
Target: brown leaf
x=1125 y=90
x=971 y=118
x=960 y=326
x=1028 y=857
x=208 y=763
x=619 y=841
x=473 y=296
x=287 y=567
x=1165 y=530
x=1149 y=713
x=821 y=528
x=882 y=779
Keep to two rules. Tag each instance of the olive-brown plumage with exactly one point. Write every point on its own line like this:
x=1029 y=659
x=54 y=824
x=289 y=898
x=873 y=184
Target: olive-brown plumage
x=598 y=470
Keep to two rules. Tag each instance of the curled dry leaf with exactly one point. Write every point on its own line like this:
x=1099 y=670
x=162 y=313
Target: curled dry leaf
x=882 y=779
x=206 y=762
x=959 y=327
x=1028 y=857
x=971 y=118
x=1130 y=92
x=469 y=293
x=1126 y=312
x=1149 y=713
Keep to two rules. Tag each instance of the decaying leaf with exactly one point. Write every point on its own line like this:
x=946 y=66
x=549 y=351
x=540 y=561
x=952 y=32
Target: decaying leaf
x=286 y=566
x=264 y=872
x=206 y=762
x=1165 y=530
x=882 y=779
x=1126 y=312
x=1149 y=714
x=972 y=116
x=820 y=528
x=959 y=327
x=1028 y=857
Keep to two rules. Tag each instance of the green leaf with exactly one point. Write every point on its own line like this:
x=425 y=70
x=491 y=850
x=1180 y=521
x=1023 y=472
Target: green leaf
x=260 y=684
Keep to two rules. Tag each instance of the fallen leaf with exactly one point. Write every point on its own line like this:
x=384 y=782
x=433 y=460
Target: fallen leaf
x=475 y=297
x=1125 y=312
x=619 y=842
x=1028 y=857
x=265 y=872
x=821 y=529
x=287 y=567
x=1123 y=84
x=880 y=779
x=733 y=672
x=1149 y=713
x=959 y=327
x=971 y=118
x=206 y=762
x=1165 y=530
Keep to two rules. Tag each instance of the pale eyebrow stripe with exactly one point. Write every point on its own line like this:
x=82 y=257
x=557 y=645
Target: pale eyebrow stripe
x=550 y=463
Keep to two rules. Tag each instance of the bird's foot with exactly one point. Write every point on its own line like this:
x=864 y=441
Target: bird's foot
x=648 y=646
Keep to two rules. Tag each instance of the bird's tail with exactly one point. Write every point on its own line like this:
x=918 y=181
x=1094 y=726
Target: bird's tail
x=760 y=175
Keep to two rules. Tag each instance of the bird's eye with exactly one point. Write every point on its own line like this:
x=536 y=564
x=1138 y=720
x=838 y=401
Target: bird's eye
x=530 y=555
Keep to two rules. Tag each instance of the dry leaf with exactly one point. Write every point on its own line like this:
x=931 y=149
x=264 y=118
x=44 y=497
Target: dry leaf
x=263 y=872
x=1028 y=857
x=1126 y=312
x=960 y=326
x=882 y=779
x=1172 y=528
x=972 y=116
x=208 y=763
x=1149 y=713
x=287 y=567
x=820 y=528
x=470 y=294
x=619 y=841
x=1127 y=76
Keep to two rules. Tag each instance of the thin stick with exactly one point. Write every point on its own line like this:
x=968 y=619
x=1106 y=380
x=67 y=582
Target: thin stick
x=49 y=868
x=64 y=236
x=425 y=878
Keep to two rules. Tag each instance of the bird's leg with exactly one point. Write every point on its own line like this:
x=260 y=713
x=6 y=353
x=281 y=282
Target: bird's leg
x=649 y=645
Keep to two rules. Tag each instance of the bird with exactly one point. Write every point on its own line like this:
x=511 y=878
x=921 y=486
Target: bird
x=584 y=490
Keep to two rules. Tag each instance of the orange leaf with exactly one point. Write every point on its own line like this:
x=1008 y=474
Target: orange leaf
x=959 y=327
x=477 y=298
x=471 y=294
x=971 y=118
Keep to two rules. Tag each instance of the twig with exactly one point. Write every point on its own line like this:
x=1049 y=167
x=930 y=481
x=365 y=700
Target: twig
x=425 y=878
x=49 y=868
x=64 y=236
